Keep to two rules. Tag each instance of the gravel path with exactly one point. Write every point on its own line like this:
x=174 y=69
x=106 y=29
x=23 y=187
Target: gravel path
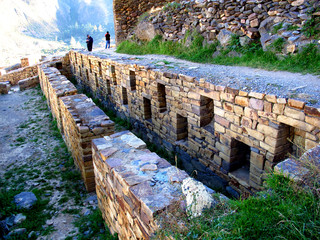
x=33 y=157
x=283 y=84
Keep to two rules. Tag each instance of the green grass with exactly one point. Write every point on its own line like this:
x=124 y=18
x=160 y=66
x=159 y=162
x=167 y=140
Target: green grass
x=276 y=28
x=288 y=211
x=36 y=216
x=306 y=61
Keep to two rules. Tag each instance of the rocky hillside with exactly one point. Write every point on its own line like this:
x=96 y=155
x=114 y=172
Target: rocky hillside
x=28 y=26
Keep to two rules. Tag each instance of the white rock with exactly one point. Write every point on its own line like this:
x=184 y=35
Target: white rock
x=197 y=197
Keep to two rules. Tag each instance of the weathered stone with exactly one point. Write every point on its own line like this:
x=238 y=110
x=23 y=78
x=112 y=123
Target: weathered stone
x=197 y=197
x=145 y=31
x=256 y=104
x=25 y=200
x=224 y=37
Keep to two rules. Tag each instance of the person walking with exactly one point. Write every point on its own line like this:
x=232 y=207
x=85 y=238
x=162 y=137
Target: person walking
x=107 y=40
x=89 y=42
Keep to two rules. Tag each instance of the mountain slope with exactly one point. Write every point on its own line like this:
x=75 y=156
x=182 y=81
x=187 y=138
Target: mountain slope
x=28 y=26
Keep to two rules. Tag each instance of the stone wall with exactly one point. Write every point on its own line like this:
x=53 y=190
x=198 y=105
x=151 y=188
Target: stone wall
x=54 y=85
x=28 y=83
x=47 y=74
x=126 y=14
x=78 y=118
x=4 y=87
x=82 y=122
x=236 y=134
x=134 y=185
x=22 y=73
x=249 y=19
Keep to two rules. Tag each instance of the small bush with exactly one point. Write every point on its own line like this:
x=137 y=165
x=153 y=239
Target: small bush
x=92 y=225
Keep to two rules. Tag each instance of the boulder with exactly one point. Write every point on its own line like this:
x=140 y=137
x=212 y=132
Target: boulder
x=17 y=232
x=224 y=37
x=25 y=200
x=145 y=31
x=19 y=218
x=197 y=197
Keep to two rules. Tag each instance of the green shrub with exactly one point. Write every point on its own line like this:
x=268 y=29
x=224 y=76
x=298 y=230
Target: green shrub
x=277 y=45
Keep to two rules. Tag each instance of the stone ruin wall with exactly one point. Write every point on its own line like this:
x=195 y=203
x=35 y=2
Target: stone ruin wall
x=224 y=129
x=133 y=184
x=22 y=73
x=78 y=119
x=27 y=76
x=126 y=14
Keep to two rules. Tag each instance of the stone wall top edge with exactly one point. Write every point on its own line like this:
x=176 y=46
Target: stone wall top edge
x=84 y=110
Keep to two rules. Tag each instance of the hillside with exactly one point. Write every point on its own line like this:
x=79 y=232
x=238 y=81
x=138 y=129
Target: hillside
x=30 y=26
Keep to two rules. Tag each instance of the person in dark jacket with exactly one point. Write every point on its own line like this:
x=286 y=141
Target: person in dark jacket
x=89 y=42
x=107 y=40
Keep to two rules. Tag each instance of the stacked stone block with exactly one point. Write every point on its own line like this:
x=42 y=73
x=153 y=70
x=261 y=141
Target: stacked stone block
x=82 y=122
x=4 y=87
x=28 y=83
x=22 y=73
x=46 y=75
x=133 y=185
x=59 y=87
x=218 y=20
x=212 y=123
x=126 y=15
x=24 y=62
x=54 y=85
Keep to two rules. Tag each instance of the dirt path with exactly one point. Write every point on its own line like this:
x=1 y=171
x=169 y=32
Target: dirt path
x=33 y=157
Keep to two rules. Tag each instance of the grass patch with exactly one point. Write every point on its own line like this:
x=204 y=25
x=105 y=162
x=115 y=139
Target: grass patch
x=276 y=28
x=306 y=61
x=36 y=216
x=311 y=28
x=288 y=211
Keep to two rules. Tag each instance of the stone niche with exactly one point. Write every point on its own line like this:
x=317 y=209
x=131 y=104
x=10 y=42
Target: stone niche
x=82 y=122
